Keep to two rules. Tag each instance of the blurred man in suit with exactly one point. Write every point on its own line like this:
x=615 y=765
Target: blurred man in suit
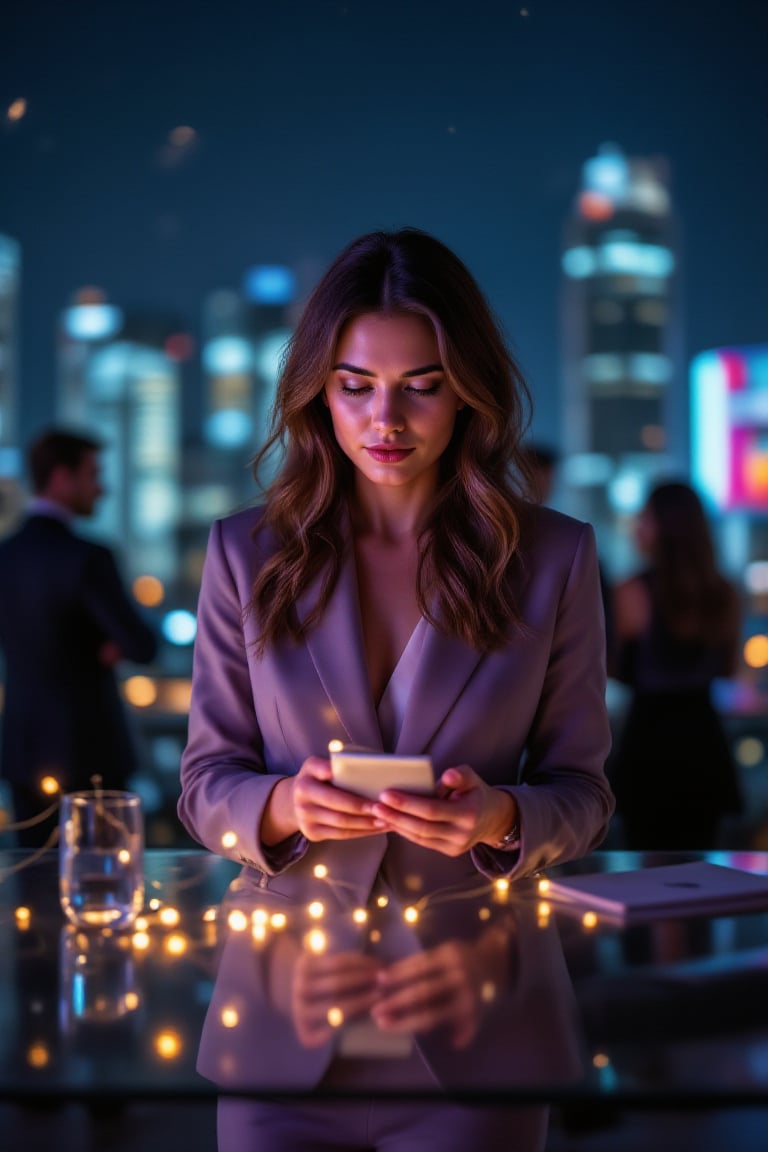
x=66 y=621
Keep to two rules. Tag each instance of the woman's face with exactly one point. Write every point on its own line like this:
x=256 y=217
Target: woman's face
x=392 y=408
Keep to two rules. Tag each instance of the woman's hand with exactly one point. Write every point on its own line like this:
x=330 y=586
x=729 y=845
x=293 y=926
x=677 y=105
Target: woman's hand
x=447 y=986
x=325 y=812
x=344 y=985
x=465 y=812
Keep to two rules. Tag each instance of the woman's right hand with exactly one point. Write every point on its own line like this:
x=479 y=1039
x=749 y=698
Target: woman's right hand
x=325 y=812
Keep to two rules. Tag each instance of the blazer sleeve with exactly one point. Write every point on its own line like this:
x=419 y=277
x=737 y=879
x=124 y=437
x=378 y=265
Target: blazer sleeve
x=564 y=799
x=224 y=780
x=108 y=604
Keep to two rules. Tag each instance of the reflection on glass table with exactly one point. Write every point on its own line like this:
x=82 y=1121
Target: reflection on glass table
x=220 y=987
x=462 y=990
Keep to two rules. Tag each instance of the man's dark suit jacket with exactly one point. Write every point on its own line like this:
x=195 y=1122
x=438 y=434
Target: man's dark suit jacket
x=61 y=599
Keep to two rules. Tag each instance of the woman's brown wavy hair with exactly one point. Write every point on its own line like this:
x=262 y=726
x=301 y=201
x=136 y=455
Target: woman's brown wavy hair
x=473 y=532
x=697 y=603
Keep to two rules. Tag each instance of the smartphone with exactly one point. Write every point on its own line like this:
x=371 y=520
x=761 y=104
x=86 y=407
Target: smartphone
x=370 y=773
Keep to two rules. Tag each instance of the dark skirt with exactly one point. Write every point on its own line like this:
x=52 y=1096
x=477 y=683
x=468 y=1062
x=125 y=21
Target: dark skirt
x=673 y=773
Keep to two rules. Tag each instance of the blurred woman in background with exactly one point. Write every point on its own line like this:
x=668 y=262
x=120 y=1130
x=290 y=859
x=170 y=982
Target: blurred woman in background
x=676 y=629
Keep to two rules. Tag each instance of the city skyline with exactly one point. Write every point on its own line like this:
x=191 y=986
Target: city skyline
x=160 y=152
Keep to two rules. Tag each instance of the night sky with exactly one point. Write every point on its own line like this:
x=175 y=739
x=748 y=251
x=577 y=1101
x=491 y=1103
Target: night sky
x=316 y=120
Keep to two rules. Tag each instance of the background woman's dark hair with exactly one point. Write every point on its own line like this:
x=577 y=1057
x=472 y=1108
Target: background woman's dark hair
x=473 y=530
x=696 y=602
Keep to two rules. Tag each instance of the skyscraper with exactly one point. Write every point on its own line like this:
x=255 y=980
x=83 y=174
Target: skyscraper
x=119 y=377
x=621 y=359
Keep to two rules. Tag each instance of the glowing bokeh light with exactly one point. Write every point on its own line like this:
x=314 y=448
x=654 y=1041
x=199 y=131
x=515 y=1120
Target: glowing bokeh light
x=230 y=1017
x=168 y=1044
x=179 y=627
x=149 y=591
x=749 y=751
x=140 y=691
x=16 y=110
x=756 y=651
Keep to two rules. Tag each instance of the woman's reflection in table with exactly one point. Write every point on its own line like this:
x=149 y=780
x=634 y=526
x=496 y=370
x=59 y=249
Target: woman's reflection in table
x=387 y=1013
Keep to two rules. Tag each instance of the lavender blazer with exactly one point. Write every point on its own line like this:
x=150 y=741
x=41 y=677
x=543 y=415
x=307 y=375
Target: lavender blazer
x=530 y=717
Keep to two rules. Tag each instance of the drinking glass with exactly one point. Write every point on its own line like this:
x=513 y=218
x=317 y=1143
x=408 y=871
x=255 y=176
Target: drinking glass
x=98 y=980
x=101 y=865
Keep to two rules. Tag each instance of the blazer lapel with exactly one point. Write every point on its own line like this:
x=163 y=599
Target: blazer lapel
x=338 y=653
x=445 y=665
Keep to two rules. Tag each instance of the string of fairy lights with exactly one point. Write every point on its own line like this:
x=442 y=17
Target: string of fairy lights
x=158 y=932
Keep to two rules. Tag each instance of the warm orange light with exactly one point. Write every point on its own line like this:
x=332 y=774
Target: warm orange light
x=141 y=691
x=149 y=591
x=169 y=916
x=589 y=919
x=38 y=1055
x=175 y=695
x=49 y=785
x=17 y=109
x=316 y=941
x=595 y=206
x=168 y=1045
x=176 y=945
x=756 y=651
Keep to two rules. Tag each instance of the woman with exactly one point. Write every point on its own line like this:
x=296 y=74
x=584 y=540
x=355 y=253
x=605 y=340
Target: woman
x=677 y=628
x=395 y=591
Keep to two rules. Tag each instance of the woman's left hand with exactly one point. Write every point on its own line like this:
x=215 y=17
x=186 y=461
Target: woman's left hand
x=466 y=811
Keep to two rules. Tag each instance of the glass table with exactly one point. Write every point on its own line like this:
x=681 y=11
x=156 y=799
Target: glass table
x=506 y=996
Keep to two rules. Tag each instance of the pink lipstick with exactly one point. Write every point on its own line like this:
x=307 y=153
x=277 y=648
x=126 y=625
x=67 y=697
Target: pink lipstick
x=384 y=455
